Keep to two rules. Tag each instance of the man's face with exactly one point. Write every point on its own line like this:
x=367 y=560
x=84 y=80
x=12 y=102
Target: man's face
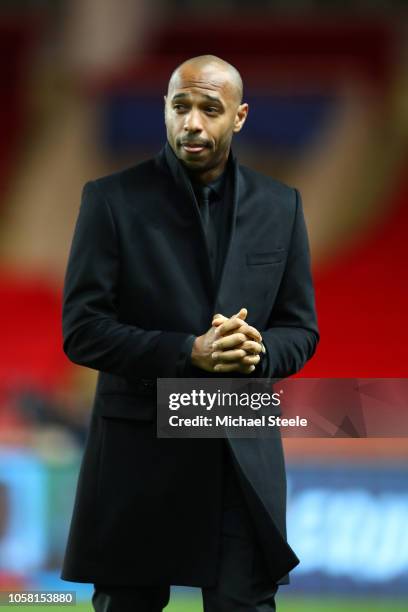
x=202 y=111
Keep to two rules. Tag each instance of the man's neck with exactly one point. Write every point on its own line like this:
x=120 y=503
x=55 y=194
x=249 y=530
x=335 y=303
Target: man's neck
x=205 y=179
x=208 y=176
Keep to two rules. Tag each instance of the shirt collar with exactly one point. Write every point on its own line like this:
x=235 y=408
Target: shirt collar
x=217 y=185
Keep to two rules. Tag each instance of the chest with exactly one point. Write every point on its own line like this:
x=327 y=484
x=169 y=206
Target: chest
x=165 y=265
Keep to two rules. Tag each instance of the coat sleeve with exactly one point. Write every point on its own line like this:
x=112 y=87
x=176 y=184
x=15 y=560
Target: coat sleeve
x=292 y=334
x=92 y=334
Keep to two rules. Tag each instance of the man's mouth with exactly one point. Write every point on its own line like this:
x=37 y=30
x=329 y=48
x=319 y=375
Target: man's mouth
x=193 y=148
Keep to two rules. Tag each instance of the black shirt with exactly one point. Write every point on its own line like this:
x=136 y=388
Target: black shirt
x=221 y=194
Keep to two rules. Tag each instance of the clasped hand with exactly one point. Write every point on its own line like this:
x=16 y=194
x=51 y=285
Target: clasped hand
x=230 y=345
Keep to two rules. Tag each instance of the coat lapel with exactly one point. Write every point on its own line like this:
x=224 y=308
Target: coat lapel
x=231 y=224
x=168 y=159
x=189 y=206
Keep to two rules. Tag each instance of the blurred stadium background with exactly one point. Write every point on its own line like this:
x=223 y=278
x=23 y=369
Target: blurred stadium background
x=81 y=95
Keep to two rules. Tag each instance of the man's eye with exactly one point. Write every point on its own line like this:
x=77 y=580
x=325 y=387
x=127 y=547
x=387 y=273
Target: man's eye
x=211 y=109
x=179 y=107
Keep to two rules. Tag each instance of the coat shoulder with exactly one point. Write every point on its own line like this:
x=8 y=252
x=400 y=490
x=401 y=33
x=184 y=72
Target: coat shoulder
x=270 y=194
x=267 y=182
x=139 y=175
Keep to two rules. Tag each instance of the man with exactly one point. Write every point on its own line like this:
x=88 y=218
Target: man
x=186 y=265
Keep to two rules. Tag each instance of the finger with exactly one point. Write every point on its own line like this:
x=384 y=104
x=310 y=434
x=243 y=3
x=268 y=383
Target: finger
x=251 y=359
x=227 y=342
x=228 y=356
x=233 y=367
x=217 y=320
x=242 y=314
x=251 y=347
x=218 y=315
x=250 y=332
x=228 y=326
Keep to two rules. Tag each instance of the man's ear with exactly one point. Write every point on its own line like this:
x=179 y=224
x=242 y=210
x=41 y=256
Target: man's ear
x=240 y=116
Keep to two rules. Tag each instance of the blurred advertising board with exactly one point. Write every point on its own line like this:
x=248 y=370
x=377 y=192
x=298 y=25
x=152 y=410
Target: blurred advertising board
x=348 y=525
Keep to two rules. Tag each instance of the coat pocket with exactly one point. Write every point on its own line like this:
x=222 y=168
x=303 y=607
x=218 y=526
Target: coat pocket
x=269 y=257
x=125 y=406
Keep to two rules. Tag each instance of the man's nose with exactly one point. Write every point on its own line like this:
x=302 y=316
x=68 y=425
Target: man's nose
x=193 y=121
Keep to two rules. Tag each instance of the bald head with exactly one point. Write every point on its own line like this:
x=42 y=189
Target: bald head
x=203 y=109
x=205 y=69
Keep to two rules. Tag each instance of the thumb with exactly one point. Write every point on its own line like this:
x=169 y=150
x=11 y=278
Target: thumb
x=242 y=314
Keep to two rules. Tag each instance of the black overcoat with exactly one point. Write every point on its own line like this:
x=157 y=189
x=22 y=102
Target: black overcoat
x=138 y=283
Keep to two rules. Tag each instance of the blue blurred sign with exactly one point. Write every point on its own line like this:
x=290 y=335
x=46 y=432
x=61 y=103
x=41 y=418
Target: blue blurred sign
x=130 y=120
x=349 y=527
x=23 y=511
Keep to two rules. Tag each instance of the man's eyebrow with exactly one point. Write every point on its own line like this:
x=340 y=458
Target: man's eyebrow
x=213 y=99
x=183 y=96
x=179 y=96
